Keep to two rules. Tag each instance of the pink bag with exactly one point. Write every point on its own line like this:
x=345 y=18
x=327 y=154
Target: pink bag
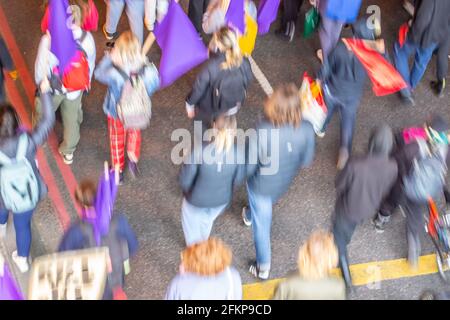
x=413 y=134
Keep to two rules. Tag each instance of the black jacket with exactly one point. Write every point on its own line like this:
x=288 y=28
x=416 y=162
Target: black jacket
x=200 y=95
x=208 y=178
x=366 y=180
x=431 y=23
x=274 y=161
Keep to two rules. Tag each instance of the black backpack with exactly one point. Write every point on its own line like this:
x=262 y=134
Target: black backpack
x=228 y=90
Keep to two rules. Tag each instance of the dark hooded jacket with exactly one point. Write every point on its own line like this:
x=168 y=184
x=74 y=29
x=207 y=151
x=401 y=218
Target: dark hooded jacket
x=431 y=23
x=366 y=180
x=342 y=72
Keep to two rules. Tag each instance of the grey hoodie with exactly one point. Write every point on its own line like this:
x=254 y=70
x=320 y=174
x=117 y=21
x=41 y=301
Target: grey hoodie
x=367 y=180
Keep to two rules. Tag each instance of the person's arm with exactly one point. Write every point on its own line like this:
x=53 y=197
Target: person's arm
x=213 y=20
x=42 y=129
x=91 y=53
x=152 y=81
x=343 y=179
x=252 y=155
x=309 y=146
x=200 y=87
x=5 y=58
x=103 y=71
x=188 y=173
x=41 y=65
x=150 y=14
x=127 y=233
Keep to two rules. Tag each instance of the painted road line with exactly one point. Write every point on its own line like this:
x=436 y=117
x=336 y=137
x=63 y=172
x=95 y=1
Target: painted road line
x=29 y=86
x=44 y=168
x=371 y=274
x=260 y=77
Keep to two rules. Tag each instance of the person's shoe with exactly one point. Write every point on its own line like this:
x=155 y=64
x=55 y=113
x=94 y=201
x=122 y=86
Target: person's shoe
x=380 y=222
x=408 y=100
x=67 y=157
x=247 y=221
x=291 y=32
x=342 y=159
x=3 y=230
x=320 y=133
x=438 y=87
x=134 y=170
x=254 y=270
x=21 y=262
x=109 y=36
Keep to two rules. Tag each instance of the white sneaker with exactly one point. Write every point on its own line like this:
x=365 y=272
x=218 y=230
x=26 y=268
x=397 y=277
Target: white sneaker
x=3 y=230
x=67 y=157
x=21 y=262
x=247 y=222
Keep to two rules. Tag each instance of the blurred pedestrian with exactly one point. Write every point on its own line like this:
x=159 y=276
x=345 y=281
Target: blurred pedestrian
x=206 y=273
x=6 y=64
x=208 y=180
x=284 y=144
x=196 y=10
x=360 y=189
x=135 y=10
x=429 y=29
x=67 y=100
x=343 y=78
x=316 y=259
x=221 y=86
x=130 y=79
x=97 y=228
x=22 y=186
x=421 y=155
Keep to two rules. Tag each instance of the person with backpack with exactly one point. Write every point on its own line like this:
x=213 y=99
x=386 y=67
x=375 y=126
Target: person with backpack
x=316 y=260
x=221 y=86
x=429 y=29
x=343 y=77
x=361 y=188
x=422 y=158
x=6 y=64
x=284 y=144
x=21 y=185
x=67 y=91
x=97 y=230
x=206 y=273
x=135 y=11
x=209 y=178
x=131 y=80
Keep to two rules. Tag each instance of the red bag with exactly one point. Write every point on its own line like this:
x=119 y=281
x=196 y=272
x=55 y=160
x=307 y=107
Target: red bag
x=402 y=34
x=385 y=78
x=76 y=76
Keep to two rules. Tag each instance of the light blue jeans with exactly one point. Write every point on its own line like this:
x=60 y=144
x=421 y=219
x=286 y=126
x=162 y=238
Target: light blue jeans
x=135 y=13
x=197 y=222
x=260 y=214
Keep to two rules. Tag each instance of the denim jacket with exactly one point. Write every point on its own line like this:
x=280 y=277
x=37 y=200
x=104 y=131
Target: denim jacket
x=107 y=74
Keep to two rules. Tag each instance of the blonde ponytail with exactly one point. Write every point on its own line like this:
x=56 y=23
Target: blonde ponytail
x=225 y=134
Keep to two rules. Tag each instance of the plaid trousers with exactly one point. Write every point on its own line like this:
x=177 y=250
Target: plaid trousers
x=117 y=136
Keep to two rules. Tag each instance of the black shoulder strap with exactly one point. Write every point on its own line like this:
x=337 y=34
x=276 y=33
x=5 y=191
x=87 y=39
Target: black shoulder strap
x=124 y=75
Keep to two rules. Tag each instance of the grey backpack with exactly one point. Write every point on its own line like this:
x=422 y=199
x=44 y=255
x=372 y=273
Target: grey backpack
x=427 y=176
x=18 y=184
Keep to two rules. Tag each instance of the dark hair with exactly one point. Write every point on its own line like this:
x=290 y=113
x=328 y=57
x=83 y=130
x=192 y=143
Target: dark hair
x=9 y=121
x=85 y=193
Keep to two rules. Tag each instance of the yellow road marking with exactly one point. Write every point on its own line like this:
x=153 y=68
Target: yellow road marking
x=362 y=274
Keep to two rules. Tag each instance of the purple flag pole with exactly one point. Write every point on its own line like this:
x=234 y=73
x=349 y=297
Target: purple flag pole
x=63 y=44
x=267 y=13
x=182 y=48
x=235 y=15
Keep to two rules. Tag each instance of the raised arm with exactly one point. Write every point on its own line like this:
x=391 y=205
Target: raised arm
x=42 y=129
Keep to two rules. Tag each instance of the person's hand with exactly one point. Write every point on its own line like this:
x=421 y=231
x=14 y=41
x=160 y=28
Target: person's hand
x=14 y=75
x=45 y=86
x=191 y=114
x=313 y=2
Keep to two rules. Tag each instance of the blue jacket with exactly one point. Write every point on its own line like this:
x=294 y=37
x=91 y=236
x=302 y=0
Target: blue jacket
x=107 y=74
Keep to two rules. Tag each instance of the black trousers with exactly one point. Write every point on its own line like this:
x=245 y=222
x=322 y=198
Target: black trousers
x=195 y=12
x=442 y=59
x=291 y=9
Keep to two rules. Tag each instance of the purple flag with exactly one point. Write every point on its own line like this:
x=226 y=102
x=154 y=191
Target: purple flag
x=236 y=15
x=267 y=13
x=181 y=46
x=63 y=45
x=8 y=287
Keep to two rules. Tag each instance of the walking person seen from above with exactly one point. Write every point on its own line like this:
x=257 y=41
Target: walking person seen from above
x=21 y=184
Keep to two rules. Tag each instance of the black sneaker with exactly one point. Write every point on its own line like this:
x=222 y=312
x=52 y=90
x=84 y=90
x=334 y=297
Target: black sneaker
x=408 y=100
x=438 y=87
x=109 y=36
x=255 y=271
x=134 y=170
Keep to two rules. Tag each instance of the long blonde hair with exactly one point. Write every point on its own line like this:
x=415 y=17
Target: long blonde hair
x=318 y=256
x=225 y=133
x=128 y=48
x=225 y=40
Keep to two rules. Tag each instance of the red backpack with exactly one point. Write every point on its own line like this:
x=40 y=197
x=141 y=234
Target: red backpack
x=76 y=77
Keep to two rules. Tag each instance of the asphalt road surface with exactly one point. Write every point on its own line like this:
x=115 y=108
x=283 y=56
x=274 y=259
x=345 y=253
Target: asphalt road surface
x=152 y=203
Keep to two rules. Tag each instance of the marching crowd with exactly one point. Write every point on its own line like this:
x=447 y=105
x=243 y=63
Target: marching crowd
x=405 y=168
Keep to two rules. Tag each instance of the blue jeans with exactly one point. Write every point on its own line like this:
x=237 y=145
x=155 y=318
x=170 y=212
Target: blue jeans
x=347 y=115
x=421 y=59
x=197 y=222
x=135 y=13
x=22 y=225
x=260 y=214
